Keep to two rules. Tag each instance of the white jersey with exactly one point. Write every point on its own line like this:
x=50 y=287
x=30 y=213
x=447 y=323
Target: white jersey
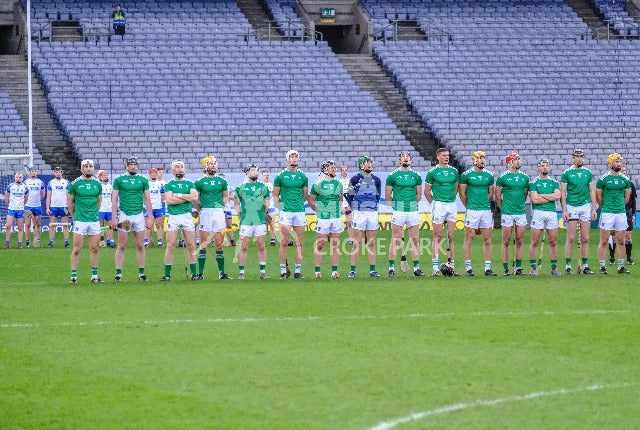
x=35 y=186
x=16 y=196
x=156 y=188
x=270 y=187
x=58 y=189
x=346 y=182
x=107 y=189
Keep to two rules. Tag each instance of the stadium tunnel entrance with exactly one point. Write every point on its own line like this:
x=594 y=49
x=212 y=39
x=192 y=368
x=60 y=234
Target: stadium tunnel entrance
x=340 y=38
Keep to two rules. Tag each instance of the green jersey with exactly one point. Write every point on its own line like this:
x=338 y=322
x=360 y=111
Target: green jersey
x=179 y=187
x=544 y=186
x=513 y=187
x=613 y=190
x=328 y=194
x=211 y=190
x=131 y=193
x=478 y=184
x=404 y=189
x=86 y=193
x=292 y=185
x=251 y=196
x=443 y=182
x=577 y=181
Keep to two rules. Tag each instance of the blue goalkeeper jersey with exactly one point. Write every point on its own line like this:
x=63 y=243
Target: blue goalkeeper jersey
x=364 y=193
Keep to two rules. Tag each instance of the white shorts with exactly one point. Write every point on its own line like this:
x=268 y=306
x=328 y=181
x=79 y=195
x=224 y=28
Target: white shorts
x=88 y=228
x=579 y=213
x=293 y=219
x=443 y=211
x=544 y=219
x=614 y=222
x=253 y=230
x=365 y=220
x=510 y=220
x=138 y=221
x=331 y=225
x=478 y=219
x=182 y=221
x=405 y=218
x=212 y=219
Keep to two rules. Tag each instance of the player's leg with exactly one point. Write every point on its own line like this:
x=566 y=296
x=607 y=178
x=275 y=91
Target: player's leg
x=261 y=240
x=52 y=228
x=451 y=229
x=504 y=249
x=189 y=234
x=552 y=238
x=242 y=253
x=37 y=229
x=298 y=231
x=355 y=250
x=520 y=231
x=414 y=239
x=603 y=245
x=348 y=217
x=285 y=232
x=536 y=234
x=159 y=223
x=572 y=227
x=20 y=223
x=621 y=253
x=9 y=226
x=487 y=250
x=397 y=231
x=628 y=246
x=435 y=247
x=94 y=255
x=469 y=234
x=139 y=237
x=321 y=240
x=334 y=252
x=123 y=239
x=78 y=241
x=172 y=238
x=585 y=228
x=65 y=229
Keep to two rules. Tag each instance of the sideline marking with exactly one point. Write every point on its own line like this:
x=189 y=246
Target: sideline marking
x=308 y=318
x=386 y=425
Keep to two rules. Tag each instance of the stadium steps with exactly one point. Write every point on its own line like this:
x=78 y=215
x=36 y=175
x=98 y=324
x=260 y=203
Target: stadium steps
x=369 y=76
x=46 y=134
x=66 y=31
x=259 y=16
x=409 y=30
x=589 y=13
x=633 y=10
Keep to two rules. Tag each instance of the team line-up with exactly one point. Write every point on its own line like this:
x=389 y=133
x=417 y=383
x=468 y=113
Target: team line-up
x=121 y=206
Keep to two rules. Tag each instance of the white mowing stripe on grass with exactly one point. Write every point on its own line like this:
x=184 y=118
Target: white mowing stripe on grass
x=386 y=425
x=312 y=318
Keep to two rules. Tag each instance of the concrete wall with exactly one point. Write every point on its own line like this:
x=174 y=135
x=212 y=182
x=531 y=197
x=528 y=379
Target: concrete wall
x=12 y=28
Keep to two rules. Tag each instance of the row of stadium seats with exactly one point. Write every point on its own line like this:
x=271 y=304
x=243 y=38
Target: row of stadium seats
x=615 y=12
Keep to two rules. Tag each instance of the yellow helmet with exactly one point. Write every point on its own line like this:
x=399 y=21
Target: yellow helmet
x=478 y=154
x=206 y=159
x=612 y=157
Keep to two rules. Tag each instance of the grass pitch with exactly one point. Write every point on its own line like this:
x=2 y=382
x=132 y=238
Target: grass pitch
x=506 y=352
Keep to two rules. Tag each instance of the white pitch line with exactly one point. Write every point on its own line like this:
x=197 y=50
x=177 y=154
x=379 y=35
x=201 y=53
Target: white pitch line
x=386 y=425
x=311 y=318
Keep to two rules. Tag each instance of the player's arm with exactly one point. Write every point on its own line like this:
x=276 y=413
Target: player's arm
x=419 y=192
x=114 y=208
x=147 y=203
x=388 y=191
x=462 y=189
x=6 y=199
x=627 y=195
x=498 y=191
x=42 y=193
x=276 y=196
x=351 y=191
x=48 y=203
x=26 y=196
x=305 y=194
x=563 y=200
x=236 y=205
x=536 y=198
x=312 y=202
x=427 y=192
x=225 y=197
x=71 y=205
x=599 y=196
x=492 y=192
x=592 y=193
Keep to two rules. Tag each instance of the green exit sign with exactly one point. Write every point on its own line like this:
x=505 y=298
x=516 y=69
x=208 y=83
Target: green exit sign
x=328 y=12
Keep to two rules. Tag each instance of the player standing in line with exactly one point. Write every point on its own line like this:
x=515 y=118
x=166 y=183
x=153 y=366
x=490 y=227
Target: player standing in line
x=156 y=190
x=476 y=192
x=129 y=198
x=180 y=195
x=290 y=191
x=251 y=203
x=84 y=198
x=325 y=198
x=403 y=190
x=511 y=192
x=440 y=189
x=56 y=206
x=630 y=208
x=346 y=209
x=34 y=204
x=544 y=192
x=271 y=220
x=104 y=212
x=613 y=191
x=363 y=197
x=15 y=196
x=578 y=201
x=213 y=196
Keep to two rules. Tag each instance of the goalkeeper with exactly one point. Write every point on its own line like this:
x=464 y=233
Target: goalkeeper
x=252 y=203
x=214 y=195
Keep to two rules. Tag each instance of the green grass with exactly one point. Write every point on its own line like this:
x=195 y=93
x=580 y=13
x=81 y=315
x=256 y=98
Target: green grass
x=314 y=354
